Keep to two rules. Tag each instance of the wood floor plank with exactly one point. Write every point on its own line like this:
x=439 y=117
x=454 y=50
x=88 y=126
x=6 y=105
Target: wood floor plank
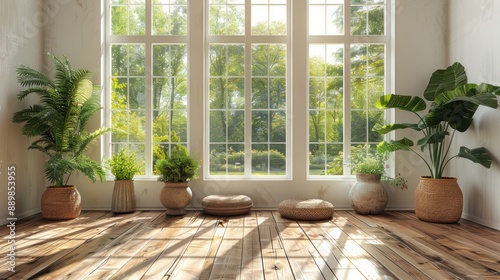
x=259 y=245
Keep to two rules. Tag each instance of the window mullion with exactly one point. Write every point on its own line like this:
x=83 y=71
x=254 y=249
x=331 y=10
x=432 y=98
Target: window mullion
x=248 y=91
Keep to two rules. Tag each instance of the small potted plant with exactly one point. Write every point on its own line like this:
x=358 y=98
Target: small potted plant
x=123 y=165
x=368 y=195
x=176 y=171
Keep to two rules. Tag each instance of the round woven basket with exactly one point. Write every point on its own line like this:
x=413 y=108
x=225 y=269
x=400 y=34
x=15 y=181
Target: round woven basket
x=61 y=203
x=438 y=200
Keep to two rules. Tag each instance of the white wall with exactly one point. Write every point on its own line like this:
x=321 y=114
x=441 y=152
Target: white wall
x=75 y=32
x=21 y=33
x=474 y=41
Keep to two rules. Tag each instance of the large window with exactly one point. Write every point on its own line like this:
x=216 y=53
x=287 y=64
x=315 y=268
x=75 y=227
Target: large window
x=256 y=54
x=348 y=58
x=247 y=88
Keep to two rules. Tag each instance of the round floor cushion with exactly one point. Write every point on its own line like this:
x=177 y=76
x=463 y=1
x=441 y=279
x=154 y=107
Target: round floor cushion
x=226 y=205
x=309 y=210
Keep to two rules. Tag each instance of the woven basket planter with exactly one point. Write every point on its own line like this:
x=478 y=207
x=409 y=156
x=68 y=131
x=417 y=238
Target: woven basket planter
x=438 y=200
x=61 y=203
x=123 y=200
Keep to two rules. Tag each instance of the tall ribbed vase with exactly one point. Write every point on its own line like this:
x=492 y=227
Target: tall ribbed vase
x=438 y=200
x=368 y=195
x=123 y=200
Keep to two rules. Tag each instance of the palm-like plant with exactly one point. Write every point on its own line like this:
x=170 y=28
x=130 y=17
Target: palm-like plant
x=66 y=104
x=454 y=102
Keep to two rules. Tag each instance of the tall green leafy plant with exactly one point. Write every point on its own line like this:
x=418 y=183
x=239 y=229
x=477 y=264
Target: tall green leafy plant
x=67 y=102
x=454 y=102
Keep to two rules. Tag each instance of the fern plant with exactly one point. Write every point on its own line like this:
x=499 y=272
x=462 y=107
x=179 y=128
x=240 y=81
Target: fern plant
x=123 y=165
x=67 y=101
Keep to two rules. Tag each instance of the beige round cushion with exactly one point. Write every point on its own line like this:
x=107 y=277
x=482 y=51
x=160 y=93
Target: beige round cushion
x=226 y=205
x=309 y=210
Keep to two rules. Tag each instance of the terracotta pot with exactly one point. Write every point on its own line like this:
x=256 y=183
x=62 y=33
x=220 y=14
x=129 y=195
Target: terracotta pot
x=438 y=200
x=123 y=200
x=61 y=203
x=175 y=197
x=368 y=195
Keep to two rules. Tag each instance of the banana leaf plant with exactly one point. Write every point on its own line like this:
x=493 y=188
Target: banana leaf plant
x=452 y=108
x=58 y=121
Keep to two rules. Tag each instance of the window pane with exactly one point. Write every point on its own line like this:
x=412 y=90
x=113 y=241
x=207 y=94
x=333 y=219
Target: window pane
x=227 y=18
x=169 y=97
x=368 y=17
x=269 y=17
x=367 y=85
x=169 y=18
x=326 y=117
x=128 y=19
x=326 y=18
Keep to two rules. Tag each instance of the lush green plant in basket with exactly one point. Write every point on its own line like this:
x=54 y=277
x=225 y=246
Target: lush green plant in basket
x=454 y=103
x=124 y=165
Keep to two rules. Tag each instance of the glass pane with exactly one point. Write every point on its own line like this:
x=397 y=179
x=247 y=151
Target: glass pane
x=334 y=159
x=375 y=117
x=169 y=19
x=226 y=19
x=335 y=126
x=277 y=94
x=119 y=60
x=316 y=126
x=218 y=126
x=326 y=19
x=317 y=165
x=260 y=94
x=277 y=159
x=260 y=126
x=217 y=93
x=260 y=160
x=119 y=93
x=278 y=126
x=269 y=19
x=236 y=126
x=136 y=60
x=358 y=93
x=136 y=126
x=368 y=17
x=359 y=126
x=218 y=159
x=137 y=97
x=119 y=119
x=236 y=93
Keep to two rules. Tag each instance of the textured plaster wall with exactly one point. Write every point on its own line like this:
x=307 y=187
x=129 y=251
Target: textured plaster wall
x=21 y=42
x=474 y=42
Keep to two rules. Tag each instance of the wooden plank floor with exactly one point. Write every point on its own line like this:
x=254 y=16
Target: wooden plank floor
x=259 y=245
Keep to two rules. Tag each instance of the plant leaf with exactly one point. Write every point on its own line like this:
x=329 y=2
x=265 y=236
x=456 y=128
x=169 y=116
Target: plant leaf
x=445 y=80
x=402 y=102
x=391 y=127
x=395 y=145
x=477 y=155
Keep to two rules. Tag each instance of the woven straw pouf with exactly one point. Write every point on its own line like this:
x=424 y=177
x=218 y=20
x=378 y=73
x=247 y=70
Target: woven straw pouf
x=309 y=210
x=226 y=205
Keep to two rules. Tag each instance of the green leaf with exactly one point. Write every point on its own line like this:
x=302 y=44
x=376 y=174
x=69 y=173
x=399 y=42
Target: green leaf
x=477 y=155
x=402 y=102
x=391 y=127
x=434 y=138
x=445 y=80
x=395 y=145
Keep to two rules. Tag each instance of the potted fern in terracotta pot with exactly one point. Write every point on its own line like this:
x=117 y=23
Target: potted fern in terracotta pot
x=123 y=165
x=176 y=171
x=58 y=122
x=454 y=101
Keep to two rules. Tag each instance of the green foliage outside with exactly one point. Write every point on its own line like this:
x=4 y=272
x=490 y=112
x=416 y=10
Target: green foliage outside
x=59 y=120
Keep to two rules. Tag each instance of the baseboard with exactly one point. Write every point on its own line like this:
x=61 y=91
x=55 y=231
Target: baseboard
x=21 y=216
x=481 y=221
